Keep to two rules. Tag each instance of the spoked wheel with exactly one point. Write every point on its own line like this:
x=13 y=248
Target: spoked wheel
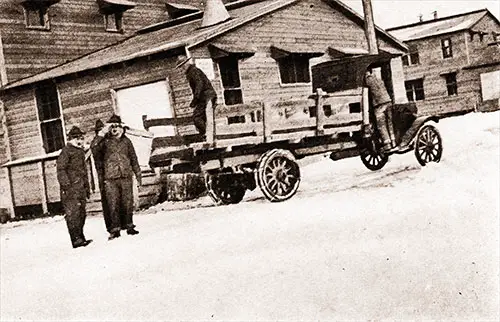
x=278 y=175
x=428 y=145
x=372 y=158
x=225 y=189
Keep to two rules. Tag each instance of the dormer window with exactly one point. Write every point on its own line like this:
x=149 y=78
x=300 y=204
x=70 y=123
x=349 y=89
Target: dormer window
x=114 y=22
x=36 y=13
x=112 y=11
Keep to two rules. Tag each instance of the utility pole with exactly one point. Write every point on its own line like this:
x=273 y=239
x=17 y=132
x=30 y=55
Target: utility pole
x=370 y=27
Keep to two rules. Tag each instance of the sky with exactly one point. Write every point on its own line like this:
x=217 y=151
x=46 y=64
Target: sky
x=391 y=13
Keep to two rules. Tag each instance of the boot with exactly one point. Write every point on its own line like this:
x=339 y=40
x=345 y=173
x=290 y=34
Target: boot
x=114 y=235
x=132 y=231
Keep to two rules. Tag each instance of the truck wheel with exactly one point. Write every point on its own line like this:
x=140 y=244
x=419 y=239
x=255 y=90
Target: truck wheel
x=428 y=145
x=225 y=189
x=371 y=157
x=278 y=175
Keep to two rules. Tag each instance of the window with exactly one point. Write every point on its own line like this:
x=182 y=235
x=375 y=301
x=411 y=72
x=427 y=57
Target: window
x=451 y=83
x=446 y=48
x=36 y=17
x=230 y=76
x=114 y=22
x=411 y=59
x=415 y=90
x=49 y=115
x=294 y=69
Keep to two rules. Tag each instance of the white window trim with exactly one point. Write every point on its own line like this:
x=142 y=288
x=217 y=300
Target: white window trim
x=223 y=88
x=63 y=125
x=442 y=48
x=300 y=84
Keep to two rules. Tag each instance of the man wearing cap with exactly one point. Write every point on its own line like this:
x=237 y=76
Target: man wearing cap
x=74 y=184
x=204 y=95
x=119 y=165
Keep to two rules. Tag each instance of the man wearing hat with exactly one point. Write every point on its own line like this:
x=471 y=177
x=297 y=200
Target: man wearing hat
x=119 y=165
x=99 y=166
x=204 y=94
x=74 y=184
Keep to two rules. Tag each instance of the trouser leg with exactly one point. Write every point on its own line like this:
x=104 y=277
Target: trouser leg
x=82 y=215
x=200 y=119
x=390 y=125
x=71 y=210
x=104 y=204
x=382 y=123
x=127 y=202
x=112 y=188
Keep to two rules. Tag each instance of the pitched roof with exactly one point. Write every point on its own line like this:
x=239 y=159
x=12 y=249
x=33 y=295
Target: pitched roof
x=187 y=34
x=429 y=28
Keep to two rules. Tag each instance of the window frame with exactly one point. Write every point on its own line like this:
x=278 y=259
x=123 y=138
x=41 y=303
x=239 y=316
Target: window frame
x=116 y=22
x=444 y=48
x=228 y=88
x=293 y=57
x=414 y=89
x=57 y=119
x=409 y=59
x=43 y=15
x=453 y=84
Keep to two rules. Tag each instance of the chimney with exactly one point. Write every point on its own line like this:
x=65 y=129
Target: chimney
x=370 y=27
x=215 y=12
x=435 y=14
x=420 y=17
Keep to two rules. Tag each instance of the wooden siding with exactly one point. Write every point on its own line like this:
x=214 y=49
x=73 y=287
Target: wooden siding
x=308 y=24
x=87 y=97
x=432 y=66
x=77 y=28
x=26 y=184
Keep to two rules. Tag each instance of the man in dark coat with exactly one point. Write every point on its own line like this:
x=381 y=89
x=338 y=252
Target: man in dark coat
x=382 y=104
x=119 y=165
x=74 y=184
x=99 y=166
x=204 y=95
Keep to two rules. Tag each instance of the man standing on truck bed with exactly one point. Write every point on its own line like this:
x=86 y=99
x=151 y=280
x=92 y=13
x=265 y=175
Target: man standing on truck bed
x=204 y=95
x=381 y=102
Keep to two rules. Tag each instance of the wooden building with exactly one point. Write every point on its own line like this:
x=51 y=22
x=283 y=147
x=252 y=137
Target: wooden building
x=39 y=34
x=36 y=35
x=453 y=64
x=265 y=51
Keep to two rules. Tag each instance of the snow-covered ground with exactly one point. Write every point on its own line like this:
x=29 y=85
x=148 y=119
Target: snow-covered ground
x=405 y=242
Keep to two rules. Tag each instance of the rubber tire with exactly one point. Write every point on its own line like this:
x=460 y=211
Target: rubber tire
x=223 y=190
x=437 y=145
x=265 y=162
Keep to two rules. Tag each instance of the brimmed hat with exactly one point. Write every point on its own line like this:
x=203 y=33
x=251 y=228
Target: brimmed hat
x=181 y=60
x=98 y=125
x=75 y=132
x=115 y=119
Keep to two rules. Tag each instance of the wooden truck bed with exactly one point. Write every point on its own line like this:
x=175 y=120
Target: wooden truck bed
x=239 y=134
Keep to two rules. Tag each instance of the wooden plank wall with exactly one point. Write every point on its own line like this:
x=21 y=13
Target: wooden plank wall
x=87 y=95
x=432 y=65
x=308 y=24
x=77 y=28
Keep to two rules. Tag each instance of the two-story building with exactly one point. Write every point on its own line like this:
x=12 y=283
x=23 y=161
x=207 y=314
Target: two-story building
x=453 y=64
x=263 y=51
